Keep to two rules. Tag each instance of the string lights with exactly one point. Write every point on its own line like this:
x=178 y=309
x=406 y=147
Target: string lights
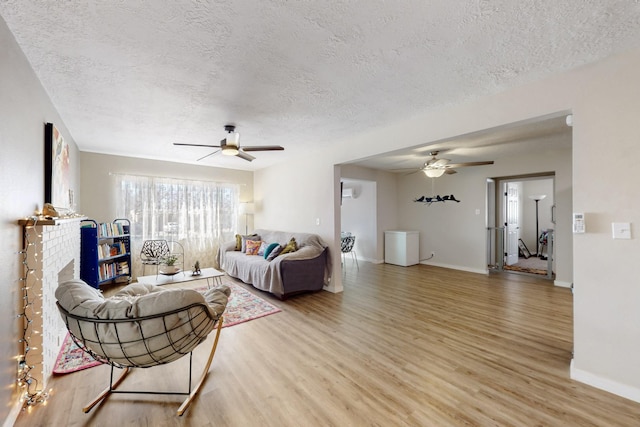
x=27 y=362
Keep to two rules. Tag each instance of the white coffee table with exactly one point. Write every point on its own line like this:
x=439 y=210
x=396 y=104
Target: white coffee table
x=212 y=275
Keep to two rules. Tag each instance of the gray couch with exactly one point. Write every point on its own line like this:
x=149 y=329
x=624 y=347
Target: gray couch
x=304 y=270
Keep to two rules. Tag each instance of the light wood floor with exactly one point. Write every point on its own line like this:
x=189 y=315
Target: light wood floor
x=402 y=346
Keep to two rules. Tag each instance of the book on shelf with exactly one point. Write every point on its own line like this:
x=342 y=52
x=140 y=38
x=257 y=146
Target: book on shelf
x=110 y=229
x=110 y=270
x=122 y=268
x=107 y=250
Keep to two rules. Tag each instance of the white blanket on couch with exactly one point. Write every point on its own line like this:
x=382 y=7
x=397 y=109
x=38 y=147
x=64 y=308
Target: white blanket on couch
x=259 y=272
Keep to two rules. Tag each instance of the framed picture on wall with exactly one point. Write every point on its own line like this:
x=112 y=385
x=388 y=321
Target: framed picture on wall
x=57 y=189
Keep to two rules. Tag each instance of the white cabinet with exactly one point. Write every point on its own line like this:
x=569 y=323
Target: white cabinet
x=401 y=247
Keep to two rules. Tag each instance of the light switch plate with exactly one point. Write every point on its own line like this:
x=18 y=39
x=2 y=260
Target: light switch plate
x=621 y=230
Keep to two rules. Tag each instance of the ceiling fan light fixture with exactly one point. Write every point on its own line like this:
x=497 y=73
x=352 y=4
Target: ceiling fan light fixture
x=433 y=173
x=232 y=142
x=229 y=151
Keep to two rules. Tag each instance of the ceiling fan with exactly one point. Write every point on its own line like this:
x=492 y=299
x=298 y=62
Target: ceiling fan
x=435 y=167
x=230 y=146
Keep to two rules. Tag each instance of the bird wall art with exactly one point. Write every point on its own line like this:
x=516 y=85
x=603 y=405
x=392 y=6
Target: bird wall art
x=434 y=199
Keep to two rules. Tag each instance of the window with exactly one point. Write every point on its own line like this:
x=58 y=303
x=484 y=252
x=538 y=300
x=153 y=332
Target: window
x=198 y=214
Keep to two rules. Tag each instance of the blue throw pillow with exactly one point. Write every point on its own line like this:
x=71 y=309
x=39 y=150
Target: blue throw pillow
x=267 y=251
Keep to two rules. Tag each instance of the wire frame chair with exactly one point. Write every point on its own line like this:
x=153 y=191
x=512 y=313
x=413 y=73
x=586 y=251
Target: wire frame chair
x=144 y=342
x=153 y=252
x=346 y=247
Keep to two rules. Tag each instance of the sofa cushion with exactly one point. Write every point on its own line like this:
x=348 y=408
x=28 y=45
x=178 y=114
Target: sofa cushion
x=290 y=247
x=262 y=248
x=252 y=247
x=252 y=237
x=274 y=252
x=240 y=241
x=270 y=247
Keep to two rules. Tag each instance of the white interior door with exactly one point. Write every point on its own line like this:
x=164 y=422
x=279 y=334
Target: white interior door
x=512 y=223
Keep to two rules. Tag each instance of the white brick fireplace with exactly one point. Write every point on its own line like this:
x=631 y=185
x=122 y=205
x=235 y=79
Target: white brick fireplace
x=53 y=256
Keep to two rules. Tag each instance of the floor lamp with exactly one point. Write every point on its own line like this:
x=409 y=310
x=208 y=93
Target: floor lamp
x=537 y=198
x=246 y=209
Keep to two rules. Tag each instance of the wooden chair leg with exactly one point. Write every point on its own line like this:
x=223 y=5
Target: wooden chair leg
x=205 y=372
x=106 y=392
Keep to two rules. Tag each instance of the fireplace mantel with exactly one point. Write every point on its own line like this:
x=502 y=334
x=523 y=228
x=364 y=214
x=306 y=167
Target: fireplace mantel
x=38 y=221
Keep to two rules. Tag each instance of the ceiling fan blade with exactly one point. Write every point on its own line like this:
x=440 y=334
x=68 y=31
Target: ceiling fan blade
x=244 y=155
x=460 y=165
x=210 y=154
x=449 y=171
x=197 y=145
x=263 y=148
x=440 y=162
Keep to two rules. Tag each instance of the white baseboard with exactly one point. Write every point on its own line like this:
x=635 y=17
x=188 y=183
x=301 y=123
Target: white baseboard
x=562 y=284
x=332 y=288
x=605 y=384
x=457 y=267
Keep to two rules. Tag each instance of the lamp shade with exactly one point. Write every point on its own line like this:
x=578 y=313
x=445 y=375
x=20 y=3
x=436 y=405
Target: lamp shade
x=433 y=173
x=246 y=208
x=537 y=196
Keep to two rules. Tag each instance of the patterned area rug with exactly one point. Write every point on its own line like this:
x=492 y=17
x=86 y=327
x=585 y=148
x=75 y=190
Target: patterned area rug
x=72 y=359
x=242 y=307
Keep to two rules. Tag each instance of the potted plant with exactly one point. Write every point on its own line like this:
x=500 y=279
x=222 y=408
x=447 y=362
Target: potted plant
x=169 y=266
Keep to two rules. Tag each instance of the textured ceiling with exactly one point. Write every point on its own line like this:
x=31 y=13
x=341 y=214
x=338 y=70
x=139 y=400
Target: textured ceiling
x=132 y=77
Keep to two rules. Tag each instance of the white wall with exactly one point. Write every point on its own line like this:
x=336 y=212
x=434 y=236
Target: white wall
x=386 y=202
x=359 y=217
x=603 y=99
x=24 y=109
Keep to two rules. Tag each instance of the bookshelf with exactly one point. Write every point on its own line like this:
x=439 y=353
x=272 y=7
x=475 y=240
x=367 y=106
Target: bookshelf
x=105 y=252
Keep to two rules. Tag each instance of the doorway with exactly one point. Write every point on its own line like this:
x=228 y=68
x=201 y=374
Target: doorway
x=522 y=230
x=358 y=216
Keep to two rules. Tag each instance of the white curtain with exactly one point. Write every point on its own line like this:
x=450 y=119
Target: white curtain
x=198 y=214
